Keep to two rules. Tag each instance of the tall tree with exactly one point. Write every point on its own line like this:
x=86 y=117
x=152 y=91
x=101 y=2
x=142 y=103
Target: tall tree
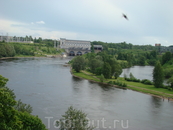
x=106 y=70
x=94 y=64
x=78 y=63
x=158 y=75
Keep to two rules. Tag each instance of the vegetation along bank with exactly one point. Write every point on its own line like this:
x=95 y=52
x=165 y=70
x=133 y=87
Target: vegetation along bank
x=105 y=67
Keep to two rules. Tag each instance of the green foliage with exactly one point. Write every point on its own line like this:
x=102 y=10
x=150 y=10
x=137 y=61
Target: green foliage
x=16 y=119
x=107 y=70
x=78 y=63
x=30 y=122
x=158 y=75
x=132 y=78
x=146 y=81
x=95 y=63
x=142 y=61
x=118 y=83
x=168 y=72
x=22 y=107
x=170 y=82
x=102 y=78
x=7 y=50
x=166 y=57
x=73 y=120
x=98 y=71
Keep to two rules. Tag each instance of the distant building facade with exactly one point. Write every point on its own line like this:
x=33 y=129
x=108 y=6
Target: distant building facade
x=14 y=39
x=98 y=48
x=75 y=47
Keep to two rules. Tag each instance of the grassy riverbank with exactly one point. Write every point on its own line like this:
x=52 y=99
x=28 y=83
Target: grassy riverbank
x=17 y=50
x=148 y=89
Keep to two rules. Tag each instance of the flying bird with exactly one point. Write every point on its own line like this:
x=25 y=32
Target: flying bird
x=125 y=16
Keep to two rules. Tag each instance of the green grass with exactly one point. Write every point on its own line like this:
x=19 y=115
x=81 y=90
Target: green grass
x=85 y=76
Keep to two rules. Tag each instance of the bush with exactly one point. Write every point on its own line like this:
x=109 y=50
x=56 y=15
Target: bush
x=146 y=81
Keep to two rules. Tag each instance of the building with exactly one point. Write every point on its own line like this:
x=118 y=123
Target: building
x=15 y=39
x=75 y=47
x=98 y=48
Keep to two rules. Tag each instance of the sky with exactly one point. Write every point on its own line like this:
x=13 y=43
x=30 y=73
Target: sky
x=149 y=21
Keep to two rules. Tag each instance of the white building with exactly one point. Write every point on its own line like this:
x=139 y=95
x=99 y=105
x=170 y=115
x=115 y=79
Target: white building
x=75 y=47
x=66 y=44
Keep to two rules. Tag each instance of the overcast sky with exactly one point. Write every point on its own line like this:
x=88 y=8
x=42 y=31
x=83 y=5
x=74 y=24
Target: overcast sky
x=150 y=21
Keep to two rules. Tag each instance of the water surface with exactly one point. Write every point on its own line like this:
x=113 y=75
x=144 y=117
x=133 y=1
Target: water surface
x=50 y=89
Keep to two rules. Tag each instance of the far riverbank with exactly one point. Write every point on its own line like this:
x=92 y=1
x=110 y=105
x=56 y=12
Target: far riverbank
x=139 y=87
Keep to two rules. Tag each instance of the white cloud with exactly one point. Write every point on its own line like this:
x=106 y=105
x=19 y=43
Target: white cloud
x=34 y=31
x=40 y=22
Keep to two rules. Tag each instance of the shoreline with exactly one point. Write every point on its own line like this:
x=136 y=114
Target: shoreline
x=162 y=97
x=55 y=56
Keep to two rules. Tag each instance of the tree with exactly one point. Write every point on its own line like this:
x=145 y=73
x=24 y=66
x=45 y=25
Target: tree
x=8 y=115
x=166 y=57
x=78 y=63
x=95 y=63
x=117 y=70
x=107 y=70
x=102 y=77
x=170 y=81
x=16 y=119
x=142 y=60
x=30 y=122
x=158 y=75
x=73 y=120
x=20 y=106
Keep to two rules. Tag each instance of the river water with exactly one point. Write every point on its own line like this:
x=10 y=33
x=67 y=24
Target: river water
x=50 y=89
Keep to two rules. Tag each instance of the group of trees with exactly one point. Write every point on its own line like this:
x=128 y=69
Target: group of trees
x=99 y=64
x=10 y=50
x=15 y=115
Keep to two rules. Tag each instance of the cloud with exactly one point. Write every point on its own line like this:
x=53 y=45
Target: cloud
x=14 y=28
x=40 y=22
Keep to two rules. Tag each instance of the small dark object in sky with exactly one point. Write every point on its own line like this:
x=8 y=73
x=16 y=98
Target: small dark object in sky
x=125 y=16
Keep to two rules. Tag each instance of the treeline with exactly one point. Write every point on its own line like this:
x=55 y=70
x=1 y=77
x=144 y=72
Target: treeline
x=15 y=115
x=123 y=45
x=48 y=42
x=133 y=54
x=141 y=58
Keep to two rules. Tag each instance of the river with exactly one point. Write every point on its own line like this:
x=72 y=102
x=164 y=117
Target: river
x=50 y=89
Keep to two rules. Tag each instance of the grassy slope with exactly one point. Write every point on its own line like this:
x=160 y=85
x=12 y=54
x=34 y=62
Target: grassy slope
x=38 y=49
x=150 y=89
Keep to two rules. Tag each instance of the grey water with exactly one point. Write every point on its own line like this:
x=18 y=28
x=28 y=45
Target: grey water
x=139 y=72
x=47 y=85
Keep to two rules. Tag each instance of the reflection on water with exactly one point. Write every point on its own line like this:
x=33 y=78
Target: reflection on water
x=156 y=102
x=50 y=89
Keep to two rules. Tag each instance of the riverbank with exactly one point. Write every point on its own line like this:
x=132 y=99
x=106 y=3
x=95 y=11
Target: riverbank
x=22 y=56
x=139 y=87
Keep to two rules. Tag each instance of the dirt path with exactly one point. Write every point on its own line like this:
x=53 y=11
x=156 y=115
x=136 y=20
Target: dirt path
x=90 y=74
